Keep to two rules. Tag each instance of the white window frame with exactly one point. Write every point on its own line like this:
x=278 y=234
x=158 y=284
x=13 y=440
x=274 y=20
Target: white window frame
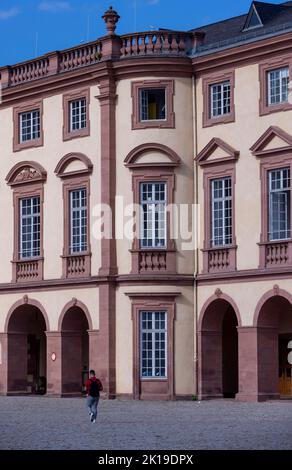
x=32 y=219
x=151 y=335
x=81 y=246
x=35 y=127
x=81 y=122
x=281 y=190
x=154 y=206
x=226 y=205
x=225 y=106
x=283 y=75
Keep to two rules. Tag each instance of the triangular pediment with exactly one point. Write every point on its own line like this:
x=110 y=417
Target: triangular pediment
x=216 y=151
x=273 y=142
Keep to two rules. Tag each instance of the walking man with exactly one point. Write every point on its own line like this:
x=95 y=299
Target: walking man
x=93 y=388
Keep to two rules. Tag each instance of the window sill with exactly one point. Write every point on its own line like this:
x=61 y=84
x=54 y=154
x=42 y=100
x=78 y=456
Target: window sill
x=213 y=121
x=274 y=108
x=17 y=147
x=275 y=253
x=219 y=259
x=76 y=134
x=28 y=270
x=153 y=261
x=77 y=265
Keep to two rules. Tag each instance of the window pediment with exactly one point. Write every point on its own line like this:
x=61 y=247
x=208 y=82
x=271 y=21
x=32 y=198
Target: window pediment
x=73 y=164
x=216 y=151
x=152 y=156
x=26 y=172
x=273 y=142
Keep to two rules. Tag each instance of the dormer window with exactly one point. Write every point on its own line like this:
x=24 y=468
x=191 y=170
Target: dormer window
x=253 y=19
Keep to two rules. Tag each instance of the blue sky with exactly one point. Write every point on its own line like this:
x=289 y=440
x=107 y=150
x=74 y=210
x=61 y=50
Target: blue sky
x=33 y=27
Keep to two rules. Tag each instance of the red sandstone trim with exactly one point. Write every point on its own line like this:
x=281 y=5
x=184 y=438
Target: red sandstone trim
x=67 y=98
x=168 y=85
x=258 y=148
x=225 y=255
x=218 y=295
x=203 y=156
x=265 y=67
x=268 y=295
x=158 y=388
x=60 y=169
x=26 y=301
x=75 y=303
x=132 y=159
x=216 y=78
x=36 y=104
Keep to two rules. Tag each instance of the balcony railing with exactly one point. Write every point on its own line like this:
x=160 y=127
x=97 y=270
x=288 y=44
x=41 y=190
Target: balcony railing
x=75 y=266
x=219 y=259
x=28 y=270
x=150 y=261
x=275 y=254
x=155 y=42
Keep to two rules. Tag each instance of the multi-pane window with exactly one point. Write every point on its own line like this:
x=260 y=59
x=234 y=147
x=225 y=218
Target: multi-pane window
x=153 y=201
x=153 y=344
x=77 y=115
x=220 y=101
x=279 y=204
x=78 y=220
x=278 y=86
x=221 y=205
x=30 y=227
x=29 y=125
x=152 y=104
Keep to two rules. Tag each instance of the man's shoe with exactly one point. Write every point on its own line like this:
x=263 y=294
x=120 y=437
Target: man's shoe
x=93 y=421
x=91 y=417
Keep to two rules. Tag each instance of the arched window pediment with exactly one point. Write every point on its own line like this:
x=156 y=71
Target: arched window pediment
x=73 y=164
x=25 y=173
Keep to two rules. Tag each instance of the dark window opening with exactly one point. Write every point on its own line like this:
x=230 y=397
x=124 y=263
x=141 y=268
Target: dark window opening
x=152 y=105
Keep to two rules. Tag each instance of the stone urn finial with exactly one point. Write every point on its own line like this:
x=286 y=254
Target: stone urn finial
x=111 y=18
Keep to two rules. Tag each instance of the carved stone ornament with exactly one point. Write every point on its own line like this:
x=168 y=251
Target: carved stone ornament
x=276 y=289
x=27 y=174
x=218 y=292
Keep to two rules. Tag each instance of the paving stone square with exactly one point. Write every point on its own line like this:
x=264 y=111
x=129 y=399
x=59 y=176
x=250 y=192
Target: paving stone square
x=41 y=423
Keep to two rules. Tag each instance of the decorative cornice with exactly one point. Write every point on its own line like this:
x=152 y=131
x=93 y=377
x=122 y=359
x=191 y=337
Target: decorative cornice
x=258 y=148
x=203 y=157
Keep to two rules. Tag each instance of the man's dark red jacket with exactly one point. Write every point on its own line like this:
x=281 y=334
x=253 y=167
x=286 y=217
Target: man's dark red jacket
x=93 y=379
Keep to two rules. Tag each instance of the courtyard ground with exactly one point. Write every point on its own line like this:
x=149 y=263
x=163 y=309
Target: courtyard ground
x=40 y=423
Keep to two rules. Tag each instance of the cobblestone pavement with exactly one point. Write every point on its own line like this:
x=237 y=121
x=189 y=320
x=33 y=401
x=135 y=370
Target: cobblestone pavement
x=49 y=423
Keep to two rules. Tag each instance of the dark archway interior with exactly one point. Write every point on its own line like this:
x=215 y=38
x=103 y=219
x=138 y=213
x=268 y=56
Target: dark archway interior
x=75 y=350
x=27 y=351
x=219 y=351
x=274 y=334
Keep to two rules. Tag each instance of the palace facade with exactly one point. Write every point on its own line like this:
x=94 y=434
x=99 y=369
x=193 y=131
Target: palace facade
x=157 y=119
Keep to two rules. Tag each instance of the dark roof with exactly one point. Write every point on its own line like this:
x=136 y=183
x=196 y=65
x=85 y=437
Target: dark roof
x=274 y=17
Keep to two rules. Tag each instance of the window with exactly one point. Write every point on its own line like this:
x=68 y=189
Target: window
x=221 y=202
x=279 y=204
x=77 y=114
x=153 y=344
x=153 y=200
x=78 y=221
x=220 y=99
x=152 y=104
x=278 y=86
x=29 y=125
x=30 y=228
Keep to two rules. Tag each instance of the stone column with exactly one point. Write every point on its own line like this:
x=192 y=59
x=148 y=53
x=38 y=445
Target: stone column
x=54 y=363
x=3 y=363
x=248 y=389
x=210 y=364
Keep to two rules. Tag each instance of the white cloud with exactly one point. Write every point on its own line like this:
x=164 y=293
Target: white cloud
x=5 y=14
x=54 y=7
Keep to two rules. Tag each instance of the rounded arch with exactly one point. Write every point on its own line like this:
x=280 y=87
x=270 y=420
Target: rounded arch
x=25 y=172
x=75 y=303
x=26 y=301
x=275 y=292
x=132 y=157
x=69 y=158
x=214 y=298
